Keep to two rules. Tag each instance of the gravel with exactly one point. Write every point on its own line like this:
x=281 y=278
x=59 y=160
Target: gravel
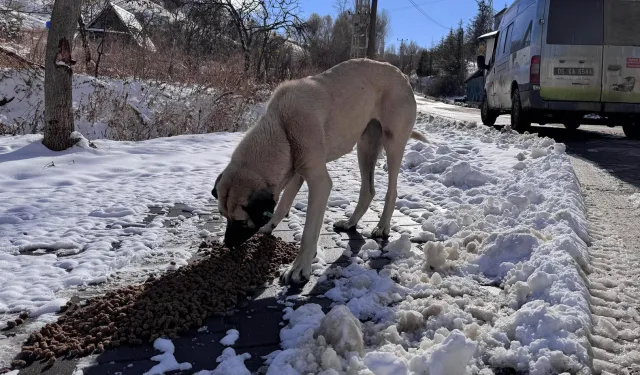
x=161 y=307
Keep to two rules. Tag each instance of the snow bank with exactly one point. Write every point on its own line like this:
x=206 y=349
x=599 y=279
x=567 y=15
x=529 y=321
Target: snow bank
x=497 y=283
x=107 y=108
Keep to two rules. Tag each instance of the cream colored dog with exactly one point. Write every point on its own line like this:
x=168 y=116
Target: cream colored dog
x=308 y=123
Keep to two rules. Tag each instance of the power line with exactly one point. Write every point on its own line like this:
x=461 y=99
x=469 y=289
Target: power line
x=411 y=6
x=428 y=16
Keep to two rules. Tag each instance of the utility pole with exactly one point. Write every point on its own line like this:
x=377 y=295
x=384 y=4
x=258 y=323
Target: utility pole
x=401 y=40
x=360 y=20
x=371 y=46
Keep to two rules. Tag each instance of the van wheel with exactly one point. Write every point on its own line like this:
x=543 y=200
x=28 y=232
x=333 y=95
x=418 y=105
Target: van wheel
x=520 y=120
x=632 y=131
x=487 y=115
x=571 y=125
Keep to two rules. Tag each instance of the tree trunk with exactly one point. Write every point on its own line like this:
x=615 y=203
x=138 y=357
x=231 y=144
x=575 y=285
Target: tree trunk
x=58 y=112
x=371 y=47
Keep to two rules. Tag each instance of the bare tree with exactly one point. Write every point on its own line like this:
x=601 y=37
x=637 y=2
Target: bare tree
x=58 y=75
x=258 y=19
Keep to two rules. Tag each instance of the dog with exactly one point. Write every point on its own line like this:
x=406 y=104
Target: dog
x=309 y=122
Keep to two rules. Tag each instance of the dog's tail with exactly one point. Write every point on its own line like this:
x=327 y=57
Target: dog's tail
x=419 y=136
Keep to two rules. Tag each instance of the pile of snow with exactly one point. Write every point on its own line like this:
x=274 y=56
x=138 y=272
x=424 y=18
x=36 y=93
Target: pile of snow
x=229 y=364
x=113 y=108
x=231 y=337
x=167 y=361
x=635 y=200
x=497 y=283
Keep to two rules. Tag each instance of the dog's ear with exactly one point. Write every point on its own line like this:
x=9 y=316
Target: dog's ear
x=214 y=192
x=260 y=207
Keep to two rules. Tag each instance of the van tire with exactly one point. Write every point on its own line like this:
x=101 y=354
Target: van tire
x=520 y=120
x=632 y=131
x=572 y=125
x=487 y=115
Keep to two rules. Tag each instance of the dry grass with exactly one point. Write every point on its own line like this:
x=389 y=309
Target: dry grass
x=224 y=93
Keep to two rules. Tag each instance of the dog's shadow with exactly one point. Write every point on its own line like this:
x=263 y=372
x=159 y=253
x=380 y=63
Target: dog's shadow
x=356 y=241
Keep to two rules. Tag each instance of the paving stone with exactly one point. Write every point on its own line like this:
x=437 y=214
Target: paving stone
x=378 y=263
x=112 y=368
x=257 y=323
x=61 y=366
x=403 y=220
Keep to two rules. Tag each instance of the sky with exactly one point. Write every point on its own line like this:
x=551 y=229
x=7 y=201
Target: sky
x=407 y=22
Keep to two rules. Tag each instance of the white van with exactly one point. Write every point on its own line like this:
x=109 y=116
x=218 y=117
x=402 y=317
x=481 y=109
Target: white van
x=561 y=60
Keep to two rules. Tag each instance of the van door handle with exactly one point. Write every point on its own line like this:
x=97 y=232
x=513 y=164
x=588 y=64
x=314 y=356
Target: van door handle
x=581 y=61
x=614 y=68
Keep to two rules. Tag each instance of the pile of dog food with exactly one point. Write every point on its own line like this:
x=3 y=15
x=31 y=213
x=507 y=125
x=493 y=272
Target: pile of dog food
x=166 y=306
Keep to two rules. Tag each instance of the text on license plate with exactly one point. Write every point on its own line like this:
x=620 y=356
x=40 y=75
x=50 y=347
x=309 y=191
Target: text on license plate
x=573 y=71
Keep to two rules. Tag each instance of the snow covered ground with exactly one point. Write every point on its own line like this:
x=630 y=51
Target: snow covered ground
x=113 y=108
x=494 y=280
x=498 y=284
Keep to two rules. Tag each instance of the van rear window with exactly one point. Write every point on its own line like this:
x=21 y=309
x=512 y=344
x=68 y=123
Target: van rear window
x=622 y=22
x=575 y=22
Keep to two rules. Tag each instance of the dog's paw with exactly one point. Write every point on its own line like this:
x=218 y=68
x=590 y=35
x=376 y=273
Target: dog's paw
x=268 y=228
x=343 y=226
x=298 y=273
x=380 y=232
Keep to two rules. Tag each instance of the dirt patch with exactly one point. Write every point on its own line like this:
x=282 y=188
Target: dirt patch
x=162 y=307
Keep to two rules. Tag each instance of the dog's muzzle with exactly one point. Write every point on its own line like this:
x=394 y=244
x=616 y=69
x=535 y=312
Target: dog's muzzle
x=237 y=233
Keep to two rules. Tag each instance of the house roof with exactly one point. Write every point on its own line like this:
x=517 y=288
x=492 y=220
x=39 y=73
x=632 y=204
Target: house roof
x=129 y=21
x=488 y=35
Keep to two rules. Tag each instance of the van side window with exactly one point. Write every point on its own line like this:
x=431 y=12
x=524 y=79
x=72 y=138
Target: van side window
x=506 y=49
x=521 y=36
x=497 y=51
x=576 y=22
x=622 y=23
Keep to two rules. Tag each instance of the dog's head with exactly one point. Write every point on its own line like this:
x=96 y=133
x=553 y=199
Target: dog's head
x=246 y=201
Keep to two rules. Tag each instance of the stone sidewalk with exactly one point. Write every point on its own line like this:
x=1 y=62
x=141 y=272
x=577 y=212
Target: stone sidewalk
x=259 y=317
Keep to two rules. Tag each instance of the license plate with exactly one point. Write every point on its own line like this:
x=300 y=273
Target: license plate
x=573 y=71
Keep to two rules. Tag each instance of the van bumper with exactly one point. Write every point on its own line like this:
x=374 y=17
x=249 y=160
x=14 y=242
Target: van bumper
x=531 y=101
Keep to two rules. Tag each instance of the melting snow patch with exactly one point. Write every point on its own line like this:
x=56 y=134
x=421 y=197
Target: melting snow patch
x=167 y=360
x=230 y=364
x=231 y=337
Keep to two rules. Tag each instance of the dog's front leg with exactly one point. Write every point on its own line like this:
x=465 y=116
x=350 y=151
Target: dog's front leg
x=289 y=194
x=320 y=185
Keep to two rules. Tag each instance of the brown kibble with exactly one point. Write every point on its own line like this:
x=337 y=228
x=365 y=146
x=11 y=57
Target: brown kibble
x=51 y=361
x=11 y=324
x=24 y=315
x=18 y=363
x=166 y=305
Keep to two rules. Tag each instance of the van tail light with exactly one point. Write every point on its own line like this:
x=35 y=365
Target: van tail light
x=534 y=73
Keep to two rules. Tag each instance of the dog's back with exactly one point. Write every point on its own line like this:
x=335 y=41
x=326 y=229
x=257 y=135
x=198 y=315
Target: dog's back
x=343 y=100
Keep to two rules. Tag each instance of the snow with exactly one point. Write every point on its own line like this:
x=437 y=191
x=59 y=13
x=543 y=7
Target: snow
x=109 y=108
x=70 y=215
x=635 y=200
x=436 y=308
x=231 y=337
x=167 y=360
x=492 y=279
x=229 y=364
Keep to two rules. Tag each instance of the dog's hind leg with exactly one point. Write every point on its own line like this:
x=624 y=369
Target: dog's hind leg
x=320 y=184
x=394 y=140
x=284 y=205
x=369 y=147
